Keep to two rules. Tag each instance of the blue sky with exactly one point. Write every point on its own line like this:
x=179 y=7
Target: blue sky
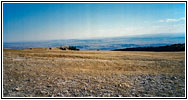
x=50 y=21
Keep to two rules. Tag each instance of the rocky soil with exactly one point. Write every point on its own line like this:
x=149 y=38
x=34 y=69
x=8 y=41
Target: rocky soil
x=38 y=76
x=101 y=86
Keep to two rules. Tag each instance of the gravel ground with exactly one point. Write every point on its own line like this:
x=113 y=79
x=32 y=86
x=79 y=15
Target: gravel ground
x=34 y=76
x=99 y=86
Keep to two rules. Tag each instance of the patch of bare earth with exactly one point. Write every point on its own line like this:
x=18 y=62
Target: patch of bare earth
x=57 y=73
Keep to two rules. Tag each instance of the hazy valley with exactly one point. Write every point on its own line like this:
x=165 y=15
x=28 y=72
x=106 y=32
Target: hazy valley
x=104 y=43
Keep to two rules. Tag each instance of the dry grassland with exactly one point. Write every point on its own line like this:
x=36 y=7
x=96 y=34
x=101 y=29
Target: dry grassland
x=58 y=73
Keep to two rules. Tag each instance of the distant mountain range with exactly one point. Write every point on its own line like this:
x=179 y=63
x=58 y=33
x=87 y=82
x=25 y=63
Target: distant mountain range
x=104 y=43
x=174 y=47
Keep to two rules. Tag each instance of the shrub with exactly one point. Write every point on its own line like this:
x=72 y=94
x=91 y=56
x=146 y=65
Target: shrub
x=73 y=48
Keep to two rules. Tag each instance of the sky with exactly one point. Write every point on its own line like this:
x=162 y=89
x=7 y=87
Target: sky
x=52 y=21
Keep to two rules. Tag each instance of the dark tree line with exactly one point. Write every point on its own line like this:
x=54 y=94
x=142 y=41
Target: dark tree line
x=73 y=48
x=174 y=47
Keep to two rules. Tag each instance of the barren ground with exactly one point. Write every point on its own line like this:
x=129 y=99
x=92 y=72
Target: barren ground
x=57 y=73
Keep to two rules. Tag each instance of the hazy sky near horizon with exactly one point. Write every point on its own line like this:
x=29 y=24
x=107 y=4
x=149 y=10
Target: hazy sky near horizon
x=50 y=21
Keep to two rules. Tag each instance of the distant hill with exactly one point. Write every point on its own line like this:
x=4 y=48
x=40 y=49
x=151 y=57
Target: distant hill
x=105 y=43
x=174 y=47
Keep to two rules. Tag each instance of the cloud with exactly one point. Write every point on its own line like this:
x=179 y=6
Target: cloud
x=172 y=20
x=115 y=31
x=130 y=31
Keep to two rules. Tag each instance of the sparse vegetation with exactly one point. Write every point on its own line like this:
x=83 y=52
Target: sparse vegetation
x=63 y=48
x=41 y=72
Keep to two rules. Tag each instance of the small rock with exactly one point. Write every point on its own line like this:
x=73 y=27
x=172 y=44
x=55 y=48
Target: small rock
x=52 y=95
x=58 y=94
x=17 y=89
x=149 y=79
x=119 y=95
x=125 y=85
x=174 y=78
x=49 y=86
x=43 y=92
x=142 y=82
x=108 y=95
x=65 y=91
